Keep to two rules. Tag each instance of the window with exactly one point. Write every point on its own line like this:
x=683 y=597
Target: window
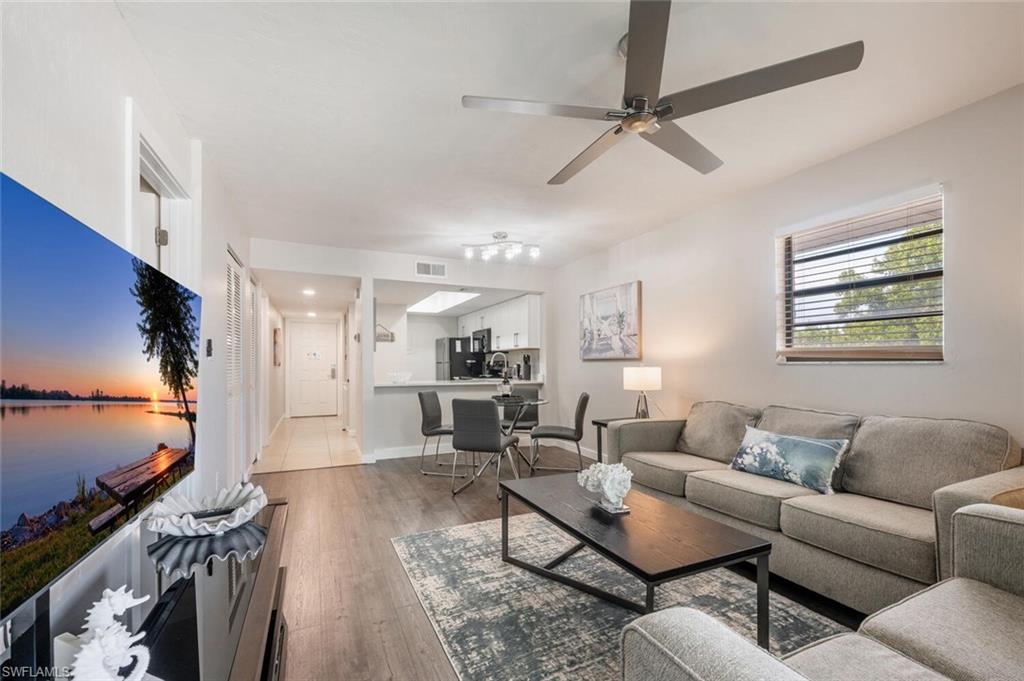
x=867 y=288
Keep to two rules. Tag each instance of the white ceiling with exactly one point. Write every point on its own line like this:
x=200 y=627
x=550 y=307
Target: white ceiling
x=333 y=294
x=340 y=123
x=391 y=292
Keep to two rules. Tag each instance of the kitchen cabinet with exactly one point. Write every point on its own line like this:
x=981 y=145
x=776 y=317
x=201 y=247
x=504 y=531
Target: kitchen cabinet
x=514 y=324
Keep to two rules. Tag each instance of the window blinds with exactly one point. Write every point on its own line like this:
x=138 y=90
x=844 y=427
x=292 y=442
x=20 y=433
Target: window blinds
x=866 y=288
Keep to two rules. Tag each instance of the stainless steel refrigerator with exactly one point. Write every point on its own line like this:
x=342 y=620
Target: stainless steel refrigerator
x=456 y=360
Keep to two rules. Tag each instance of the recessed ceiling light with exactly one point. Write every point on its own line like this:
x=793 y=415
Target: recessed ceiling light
x=311 y=314
x=439 y=301
x=308 y=292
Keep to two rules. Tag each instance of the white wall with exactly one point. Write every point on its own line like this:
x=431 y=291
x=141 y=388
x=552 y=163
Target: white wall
x=709 y=285
x=274 y=374
x=390 y=357
x=421 y=350
x=67 y=71
x=413 y=351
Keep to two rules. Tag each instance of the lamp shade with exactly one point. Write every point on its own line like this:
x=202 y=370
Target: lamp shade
x=641 y=378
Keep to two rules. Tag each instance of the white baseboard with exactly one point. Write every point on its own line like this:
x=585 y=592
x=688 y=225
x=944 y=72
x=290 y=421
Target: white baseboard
x=273 y=430
x=587 y=452
x=405 y=452
x=446 y=448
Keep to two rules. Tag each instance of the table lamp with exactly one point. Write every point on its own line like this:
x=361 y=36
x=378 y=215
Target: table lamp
x=641 y=379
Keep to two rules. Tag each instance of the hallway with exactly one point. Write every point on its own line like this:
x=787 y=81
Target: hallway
x=310 y=442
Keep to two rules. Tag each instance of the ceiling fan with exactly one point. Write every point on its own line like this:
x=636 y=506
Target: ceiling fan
x=650 y=115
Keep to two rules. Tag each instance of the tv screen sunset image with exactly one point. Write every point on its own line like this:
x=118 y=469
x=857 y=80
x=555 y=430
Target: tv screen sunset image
x=98 y=384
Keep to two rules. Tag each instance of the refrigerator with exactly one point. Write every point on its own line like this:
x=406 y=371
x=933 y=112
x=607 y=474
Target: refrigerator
x=456 y=359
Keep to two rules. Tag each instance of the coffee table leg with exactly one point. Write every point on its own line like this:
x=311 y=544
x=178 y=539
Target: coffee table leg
x=762 y=601
x=504 y=527
x=649 y=601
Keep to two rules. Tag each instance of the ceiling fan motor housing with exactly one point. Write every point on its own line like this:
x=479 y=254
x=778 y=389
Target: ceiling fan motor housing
x=639 y=117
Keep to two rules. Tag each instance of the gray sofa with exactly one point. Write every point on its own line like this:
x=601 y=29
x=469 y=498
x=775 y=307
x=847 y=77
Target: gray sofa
x=967 y=628
x=885 y=535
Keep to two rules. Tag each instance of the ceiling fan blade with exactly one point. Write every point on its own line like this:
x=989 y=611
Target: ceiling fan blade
x=677 y=142
x=645 y=51
x=524 y=106
x=764 y=80
x=587 y=156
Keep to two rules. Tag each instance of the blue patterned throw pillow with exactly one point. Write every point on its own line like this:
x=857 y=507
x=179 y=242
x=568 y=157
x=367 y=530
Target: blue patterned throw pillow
x=806 y=461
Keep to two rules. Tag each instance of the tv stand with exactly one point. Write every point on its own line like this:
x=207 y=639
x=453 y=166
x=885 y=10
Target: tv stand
x=236 y=605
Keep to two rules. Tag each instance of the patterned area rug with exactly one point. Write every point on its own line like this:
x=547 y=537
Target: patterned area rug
x=499 y=622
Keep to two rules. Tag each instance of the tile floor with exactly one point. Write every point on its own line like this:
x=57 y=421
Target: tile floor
x=310 y=442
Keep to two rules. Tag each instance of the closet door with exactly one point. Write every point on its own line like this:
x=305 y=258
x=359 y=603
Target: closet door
x=233 y=360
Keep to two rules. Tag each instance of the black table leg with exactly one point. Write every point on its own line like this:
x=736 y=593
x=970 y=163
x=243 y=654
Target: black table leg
x=504 y=526
x=600 y=450
x=762 y=601
x=649 y=602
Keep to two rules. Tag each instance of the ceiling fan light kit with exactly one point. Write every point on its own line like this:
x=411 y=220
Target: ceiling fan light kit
x=501 y=243
x=643 y=48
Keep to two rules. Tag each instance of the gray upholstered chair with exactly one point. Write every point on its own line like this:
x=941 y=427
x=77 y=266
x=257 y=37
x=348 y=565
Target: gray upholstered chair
x=477 y=426
x=529 y=418
x=966 y=628
x=572 y=434
x=431 y=426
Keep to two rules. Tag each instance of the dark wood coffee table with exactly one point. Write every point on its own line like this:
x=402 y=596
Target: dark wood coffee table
x=656 y=542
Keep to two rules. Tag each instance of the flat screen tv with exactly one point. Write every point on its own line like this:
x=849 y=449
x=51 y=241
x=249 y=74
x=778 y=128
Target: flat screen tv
x=98 y=383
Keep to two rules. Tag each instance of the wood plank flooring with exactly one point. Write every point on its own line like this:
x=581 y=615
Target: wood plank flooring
x=352 y=613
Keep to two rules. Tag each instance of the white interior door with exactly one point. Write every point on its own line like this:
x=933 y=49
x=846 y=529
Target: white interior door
x=313 y=374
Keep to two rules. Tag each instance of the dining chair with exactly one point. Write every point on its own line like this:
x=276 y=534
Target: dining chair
x=477 y=426
x=565 y=433
x=431 y=425
x=529 y=418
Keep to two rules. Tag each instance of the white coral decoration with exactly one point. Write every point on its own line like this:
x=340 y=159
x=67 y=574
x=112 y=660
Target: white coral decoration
x=107 y=646
x=173 y=514
x=612 y=480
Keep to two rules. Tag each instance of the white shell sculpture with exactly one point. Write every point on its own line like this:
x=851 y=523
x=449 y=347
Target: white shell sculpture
x=173 y=514
x=612 y=480
x=106 y=645
x=183 y=555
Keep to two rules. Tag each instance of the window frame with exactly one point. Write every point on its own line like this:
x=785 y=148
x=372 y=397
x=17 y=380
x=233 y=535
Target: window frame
x=788 y=353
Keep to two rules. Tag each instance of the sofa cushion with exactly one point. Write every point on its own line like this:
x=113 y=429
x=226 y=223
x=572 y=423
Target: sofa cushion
x=806 y=461
x=964 y=629
x=742 y=495
x=852 y=657
x=666 y=471
x=715 y=429
x=894 y=537
x=906 y=459
x=808 y=422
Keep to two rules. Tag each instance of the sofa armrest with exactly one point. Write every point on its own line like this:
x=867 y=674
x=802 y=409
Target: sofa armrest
x=642 y=435
x=988 y=545
x=682 y=644
x=1005 y=488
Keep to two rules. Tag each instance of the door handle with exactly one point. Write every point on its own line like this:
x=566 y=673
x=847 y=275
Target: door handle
x=515 y=339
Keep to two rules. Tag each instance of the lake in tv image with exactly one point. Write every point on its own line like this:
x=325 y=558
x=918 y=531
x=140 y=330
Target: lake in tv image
x=98 y=384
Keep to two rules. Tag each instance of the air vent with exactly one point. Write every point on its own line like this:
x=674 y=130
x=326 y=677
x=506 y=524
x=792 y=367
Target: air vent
x=436 y=270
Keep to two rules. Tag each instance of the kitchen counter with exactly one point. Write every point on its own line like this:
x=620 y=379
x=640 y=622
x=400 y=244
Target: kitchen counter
x=471 y=383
